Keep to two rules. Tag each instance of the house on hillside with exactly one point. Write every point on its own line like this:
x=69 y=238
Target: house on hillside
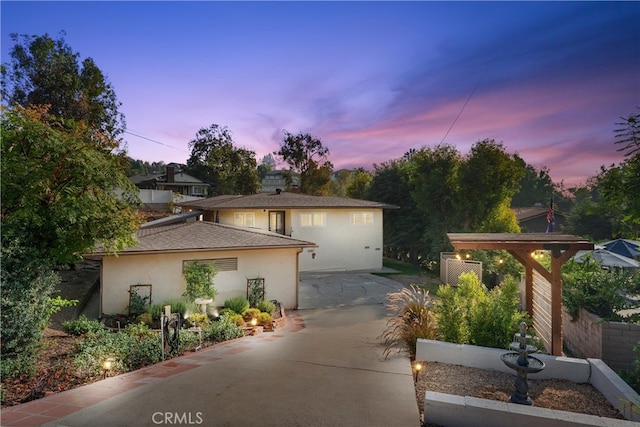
x=238 y=254
x=275 y=179
x=534 y=219
x=174 y=180
x=347 y=232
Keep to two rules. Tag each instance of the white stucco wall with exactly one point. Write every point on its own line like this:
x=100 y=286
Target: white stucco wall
x=164 y=272
x=341 y=246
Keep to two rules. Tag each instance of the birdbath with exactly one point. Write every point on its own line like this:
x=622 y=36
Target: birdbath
x=523 y=364
x=202 y=302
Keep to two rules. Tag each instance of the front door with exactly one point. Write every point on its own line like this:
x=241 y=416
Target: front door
x=276 y=221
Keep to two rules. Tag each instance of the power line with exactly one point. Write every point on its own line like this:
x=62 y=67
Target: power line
x=153 y=140
x=461 y=110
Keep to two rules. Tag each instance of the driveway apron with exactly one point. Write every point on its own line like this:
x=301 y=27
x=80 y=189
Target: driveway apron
x=324 y=368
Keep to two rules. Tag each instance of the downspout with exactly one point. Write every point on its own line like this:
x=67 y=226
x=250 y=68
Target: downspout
x=298 y=276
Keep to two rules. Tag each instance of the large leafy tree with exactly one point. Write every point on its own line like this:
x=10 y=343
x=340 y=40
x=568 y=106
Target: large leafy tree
x=59 y=200
x=215 y=158
x=307 y=157
x=46 y=71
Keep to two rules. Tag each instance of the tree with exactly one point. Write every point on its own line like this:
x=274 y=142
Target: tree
x=215 y=159
x=488 y=177
x=535 y=187
x=629 y=135
x=58 y=201
x=44 y=71
x=307 y=157
x=359 y=184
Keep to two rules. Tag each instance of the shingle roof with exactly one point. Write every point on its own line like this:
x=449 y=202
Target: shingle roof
x=283 y=200
x=207 y=236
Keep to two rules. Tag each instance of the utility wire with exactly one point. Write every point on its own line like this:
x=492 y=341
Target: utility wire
x=461 y=110
x=153 y=140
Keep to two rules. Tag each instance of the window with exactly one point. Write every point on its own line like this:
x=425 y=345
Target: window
x=362 y=218
x=313 y=219
x=244 y=219
x=221 y=264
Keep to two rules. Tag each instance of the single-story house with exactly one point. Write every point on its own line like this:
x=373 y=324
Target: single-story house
x=347 y=232
x=238 y=253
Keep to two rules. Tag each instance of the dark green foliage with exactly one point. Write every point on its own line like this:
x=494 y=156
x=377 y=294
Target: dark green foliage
x=266 y=306
x=601 y=292
x=255 y=291
x=222 y=330
x=238 y=304
x=632 y=376
x=27 y=283
x=214 y=158
x=81 y=326
x=199 y=278
x=470 y=314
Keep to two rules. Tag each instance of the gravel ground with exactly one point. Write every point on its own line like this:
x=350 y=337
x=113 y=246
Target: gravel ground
x=551 y=394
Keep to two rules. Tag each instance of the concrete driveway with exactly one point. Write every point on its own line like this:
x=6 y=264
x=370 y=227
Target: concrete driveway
x=325 y=368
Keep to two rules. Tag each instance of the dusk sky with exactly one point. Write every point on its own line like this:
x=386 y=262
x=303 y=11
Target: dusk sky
x=549 y=80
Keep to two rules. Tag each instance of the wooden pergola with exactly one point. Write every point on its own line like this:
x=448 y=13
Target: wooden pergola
x=521 y=246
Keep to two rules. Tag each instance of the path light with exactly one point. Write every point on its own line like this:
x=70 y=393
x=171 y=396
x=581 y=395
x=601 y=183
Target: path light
x=107 y=366
x=417 y=367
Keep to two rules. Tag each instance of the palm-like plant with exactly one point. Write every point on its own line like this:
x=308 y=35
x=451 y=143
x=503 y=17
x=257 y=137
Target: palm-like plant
x=412 y=318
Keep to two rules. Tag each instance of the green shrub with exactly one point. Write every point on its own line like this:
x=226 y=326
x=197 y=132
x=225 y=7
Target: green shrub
x=497 y=318
x=632 y=377
x=237 y=304
x=412 y=318
x=601 y=292
x=470 y=314
x=198 y=319
x=250 y=313
x=145 y=318
x=264 y=319
x=223 y=329
x=266 y=306
x=81 y=326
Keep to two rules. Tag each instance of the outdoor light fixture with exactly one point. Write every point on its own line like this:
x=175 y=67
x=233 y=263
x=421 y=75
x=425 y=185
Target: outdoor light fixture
x=417 y=367
x=107 y=366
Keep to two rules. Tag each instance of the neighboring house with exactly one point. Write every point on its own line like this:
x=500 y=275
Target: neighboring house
x=276 y=179
x=534 y=219
x=237 y=253
x=174 y=180
x=348 y=232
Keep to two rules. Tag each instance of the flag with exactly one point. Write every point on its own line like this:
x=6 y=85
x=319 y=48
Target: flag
x=551 y=219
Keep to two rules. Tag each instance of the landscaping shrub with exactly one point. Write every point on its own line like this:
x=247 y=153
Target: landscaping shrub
x=469 y=314
x=601 y=292
x=250 y=313
x=632 y=377
x=222 y=330
x=412 y=318
x=497 y=318
x=237 y=304
x=81 y=326
x=266 y=306
x=264 y=319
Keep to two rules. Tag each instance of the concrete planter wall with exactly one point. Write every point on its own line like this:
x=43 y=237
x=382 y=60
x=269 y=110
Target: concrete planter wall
x=444 y=409
x=590 y=336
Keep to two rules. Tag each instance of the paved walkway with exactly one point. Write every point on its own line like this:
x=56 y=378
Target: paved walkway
x=324 y=368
